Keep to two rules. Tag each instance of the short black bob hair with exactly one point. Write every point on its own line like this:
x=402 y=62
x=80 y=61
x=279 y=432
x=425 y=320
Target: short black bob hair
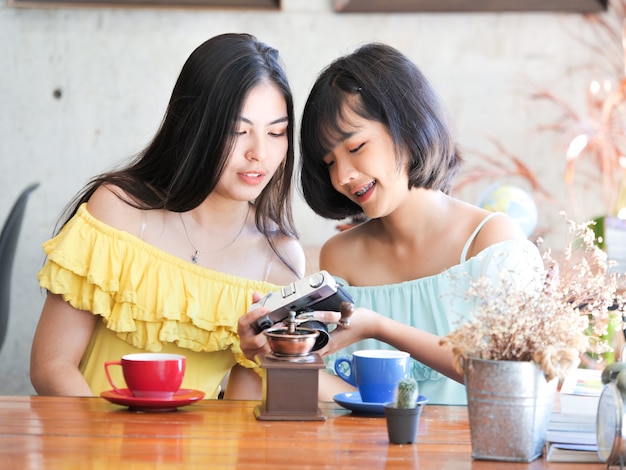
x=378 y=83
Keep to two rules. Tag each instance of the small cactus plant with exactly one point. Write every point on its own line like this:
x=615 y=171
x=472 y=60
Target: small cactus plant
x=406 y=393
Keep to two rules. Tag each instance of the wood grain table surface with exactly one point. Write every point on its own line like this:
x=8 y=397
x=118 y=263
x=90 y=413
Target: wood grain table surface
x=53 y=433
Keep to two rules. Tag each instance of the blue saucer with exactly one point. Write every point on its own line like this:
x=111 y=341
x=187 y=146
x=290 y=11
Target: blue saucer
x=353 y=402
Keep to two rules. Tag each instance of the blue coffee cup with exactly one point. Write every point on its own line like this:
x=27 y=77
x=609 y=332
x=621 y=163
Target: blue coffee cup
x=374 y=372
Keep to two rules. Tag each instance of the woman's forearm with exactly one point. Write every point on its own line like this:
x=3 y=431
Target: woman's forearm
x=422 y=346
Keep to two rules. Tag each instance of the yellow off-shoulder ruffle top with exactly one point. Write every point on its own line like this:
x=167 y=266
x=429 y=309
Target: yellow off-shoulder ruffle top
x=148 y=300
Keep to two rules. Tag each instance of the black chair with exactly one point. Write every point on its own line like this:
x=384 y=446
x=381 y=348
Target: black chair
x=8 y=244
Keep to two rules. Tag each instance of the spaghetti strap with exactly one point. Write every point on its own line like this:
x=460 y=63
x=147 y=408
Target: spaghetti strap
x=143 y=225
x=269 y=268
x=475 y=232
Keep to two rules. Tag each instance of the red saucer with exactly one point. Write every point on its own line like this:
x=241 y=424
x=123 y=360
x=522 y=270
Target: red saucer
x=124 y=397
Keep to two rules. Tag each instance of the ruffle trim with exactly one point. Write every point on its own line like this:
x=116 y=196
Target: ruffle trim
x=147 y=296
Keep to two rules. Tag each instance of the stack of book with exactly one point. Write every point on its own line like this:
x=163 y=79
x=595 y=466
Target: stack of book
x=571 y=435
x=580 y=392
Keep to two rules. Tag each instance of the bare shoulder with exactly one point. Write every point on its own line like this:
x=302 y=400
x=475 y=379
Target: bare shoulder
x=108 y=205
x=501 y=227
x=291 y=250
x=497 y=229
x=338 y=250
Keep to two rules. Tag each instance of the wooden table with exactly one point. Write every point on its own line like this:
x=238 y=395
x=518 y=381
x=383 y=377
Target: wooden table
x=61 y=433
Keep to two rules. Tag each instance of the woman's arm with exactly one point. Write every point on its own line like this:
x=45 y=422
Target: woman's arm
x=243 y=384
x=330 y=385
x=422 y=346
x=61 y=338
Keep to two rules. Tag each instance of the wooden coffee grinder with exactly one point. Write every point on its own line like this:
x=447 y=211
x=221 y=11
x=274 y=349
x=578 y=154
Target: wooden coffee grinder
x=291 y=372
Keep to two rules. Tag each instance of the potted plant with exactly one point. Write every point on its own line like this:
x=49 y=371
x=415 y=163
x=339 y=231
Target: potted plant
x=521 y=340
x=403 y=414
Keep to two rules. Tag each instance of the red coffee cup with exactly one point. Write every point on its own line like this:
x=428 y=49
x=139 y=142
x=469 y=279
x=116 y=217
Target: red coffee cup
x=150 y=375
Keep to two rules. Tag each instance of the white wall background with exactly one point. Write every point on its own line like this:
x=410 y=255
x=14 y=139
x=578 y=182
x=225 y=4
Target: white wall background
x=114 y=70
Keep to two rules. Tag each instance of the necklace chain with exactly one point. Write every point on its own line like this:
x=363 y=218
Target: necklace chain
x=197 y=253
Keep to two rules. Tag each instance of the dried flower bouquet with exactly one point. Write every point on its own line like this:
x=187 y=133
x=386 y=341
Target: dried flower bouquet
x=552 y=325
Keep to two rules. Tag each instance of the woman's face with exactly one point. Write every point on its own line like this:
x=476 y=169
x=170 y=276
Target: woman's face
x=260 y=144
x=364 y=168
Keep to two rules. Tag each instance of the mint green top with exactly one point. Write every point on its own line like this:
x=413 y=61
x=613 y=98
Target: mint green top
x=436 y=304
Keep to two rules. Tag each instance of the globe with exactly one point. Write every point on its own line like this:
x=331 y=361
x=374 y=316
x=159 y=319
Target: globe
x=513 y=201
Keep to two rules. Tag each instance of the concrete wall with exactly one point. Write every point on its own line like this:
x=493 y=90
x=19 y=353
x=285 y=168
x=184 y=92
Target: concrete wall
x=82 y=89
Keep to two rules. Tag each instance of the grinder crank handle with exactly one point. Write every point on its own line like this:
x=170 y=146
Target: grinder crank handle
x=346 y=309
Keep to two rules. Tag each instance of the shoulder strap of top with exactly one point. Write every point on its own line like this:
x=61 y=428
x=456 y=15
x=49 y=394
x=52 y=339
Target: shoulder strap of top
x=143 y=225
x=475 y=232
x=269 y=268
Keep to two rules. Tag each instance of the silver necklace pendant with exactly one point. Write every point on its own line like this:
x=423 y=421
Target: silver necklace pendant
x=196 y=255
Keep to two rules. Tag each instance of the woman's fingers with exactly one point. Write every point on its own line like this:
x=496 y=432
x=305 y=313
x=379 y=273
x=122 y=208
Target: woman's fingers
x=252 y=343
x=327 y=316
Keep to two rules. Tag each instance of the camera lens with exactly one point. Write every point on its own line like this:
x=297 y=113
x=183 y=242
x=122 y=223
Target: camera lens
x=263 y=323
x=322 y=338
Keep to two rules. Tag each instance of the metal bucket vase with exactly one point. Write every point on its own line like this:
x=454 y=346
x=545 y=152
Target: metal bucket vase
x=509 y=405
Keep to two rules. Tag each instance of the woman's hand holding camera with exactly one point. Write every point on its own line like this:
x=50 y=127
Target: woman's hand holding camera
x=252 y=343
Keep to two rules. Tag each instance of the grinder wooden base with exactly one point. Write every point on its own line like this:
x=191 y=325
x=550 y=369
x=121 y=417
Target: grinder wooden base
x=290 y=388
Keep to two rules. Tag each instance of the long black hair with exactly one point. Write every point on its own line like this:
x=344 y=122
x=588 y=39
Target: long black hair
x=378 y=83
x=186 y=158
